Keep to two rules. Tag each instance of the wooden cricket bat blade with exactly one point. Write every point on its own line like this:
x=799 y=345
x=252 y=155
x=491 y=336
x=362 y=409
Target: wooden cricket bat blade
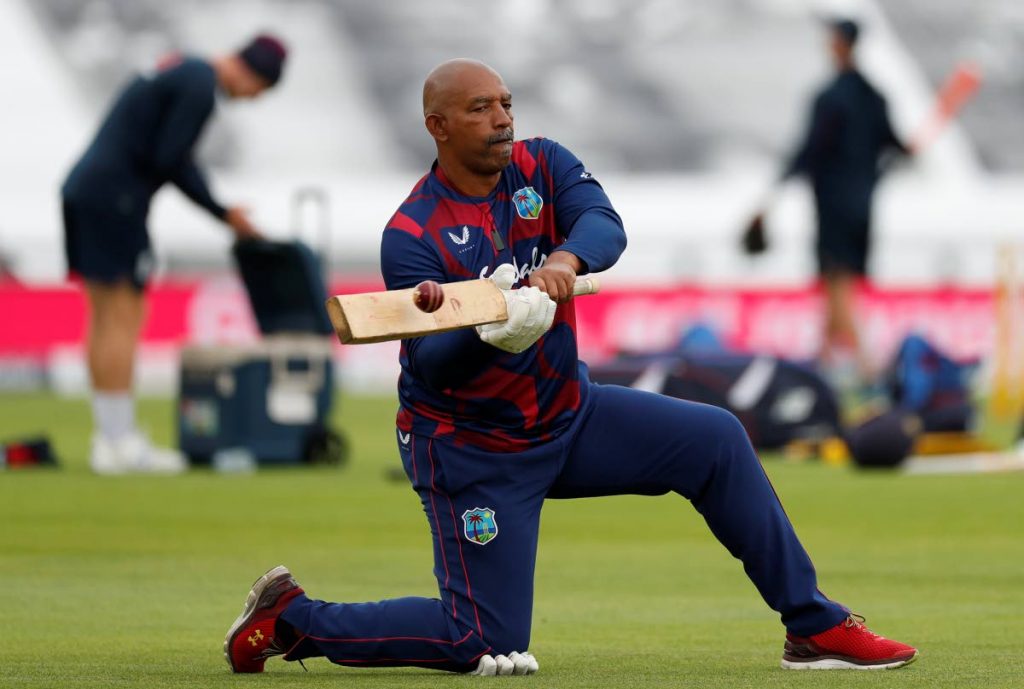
x=956 y=91
x=393 y=315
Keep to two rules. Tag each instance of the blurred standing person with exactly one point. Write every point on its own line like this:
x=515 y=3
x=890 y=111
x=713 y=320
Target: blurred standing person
x=849 y=131
x=146 y=140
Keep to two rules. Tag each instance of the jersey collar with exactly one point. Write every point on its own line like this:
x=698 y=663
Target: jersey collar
x=453 y=190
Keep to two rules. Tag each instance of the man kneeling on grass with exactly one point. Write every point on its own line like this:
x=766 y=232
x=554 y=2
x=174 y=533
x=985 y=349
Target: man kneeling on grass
x=496 y=420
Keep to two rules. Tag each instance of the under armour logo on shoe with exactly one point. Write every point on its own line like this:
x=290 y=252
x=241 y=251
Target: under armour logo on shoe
x=256 y=638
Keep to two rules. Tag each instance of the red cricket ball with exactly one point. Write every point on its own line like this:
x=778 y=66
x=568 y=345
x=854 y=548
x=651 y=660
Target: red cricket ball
x=428 y=296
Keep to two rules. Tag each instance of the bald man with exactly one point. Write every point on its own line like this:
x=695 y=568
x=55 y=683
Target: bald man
x=493 y=421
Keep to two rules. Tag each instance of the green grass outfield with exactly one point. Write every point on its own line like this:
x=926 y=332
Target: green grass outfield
x=132 y=581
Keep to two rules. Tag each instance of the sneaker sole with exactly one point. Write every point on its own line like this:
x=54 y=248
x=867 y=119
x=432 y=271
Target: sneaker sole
x=835 y=663
x=276 y=575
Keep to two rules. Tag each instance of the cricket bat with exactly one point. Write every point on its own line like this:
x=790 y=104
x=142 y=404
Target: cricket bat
x=955 y=92
x=393 y=315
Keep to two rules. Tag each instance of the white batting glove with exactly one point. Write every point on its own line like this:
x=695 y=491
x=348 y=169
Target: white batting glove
x=530 y=314
x=504 y=276
x=514 y=663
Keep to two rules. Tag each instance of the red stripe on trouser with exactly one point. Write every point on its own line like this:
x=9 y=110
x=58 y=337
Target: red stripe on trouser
x=394 y=638
x=437 y=526
x=783 y=508
x=412 y=660
x=465 y=572
x=412 y=450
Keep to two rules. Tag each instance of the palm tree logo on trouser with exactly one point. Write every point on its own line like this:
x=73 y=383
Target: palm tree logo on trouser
x=479 y=525
x=475 y=520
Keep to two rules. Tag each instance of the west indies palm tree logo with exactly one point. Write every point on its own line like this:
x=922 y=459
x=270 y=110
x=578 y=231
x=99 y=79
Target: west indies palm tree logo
x=528 y=203
x=479 y=525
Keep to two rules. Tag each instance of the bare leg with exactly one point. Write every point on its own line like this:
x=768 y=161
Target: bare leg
x=841 y=334
x=116 y=315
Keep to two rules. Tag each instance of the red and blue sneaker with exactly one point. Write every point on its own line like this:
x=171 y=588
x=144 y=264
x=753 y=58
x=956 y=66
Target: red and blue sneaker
x=847 y=646
x=257 y=635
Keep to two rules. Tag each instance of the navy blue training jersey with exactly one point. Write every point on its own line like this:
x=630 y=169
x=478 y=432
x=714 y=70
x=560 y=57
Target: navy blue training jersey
x=453 y=385
x=849 y=129
x=146 y=140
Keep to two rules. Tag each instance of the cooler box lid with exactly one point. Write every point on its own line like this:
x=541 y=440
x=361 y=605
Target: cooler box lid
x=285 y=286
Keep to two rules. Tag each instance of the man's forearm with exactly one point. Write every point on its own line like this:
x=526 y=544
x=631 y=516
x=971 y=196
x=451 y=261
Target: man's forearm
x=596 y=241
x=568 y=258
x=190 y=180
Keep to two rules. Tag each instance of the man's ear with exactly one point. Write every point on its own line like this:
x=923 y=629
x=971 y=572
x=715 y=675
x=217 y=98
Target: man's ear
x=437 y=126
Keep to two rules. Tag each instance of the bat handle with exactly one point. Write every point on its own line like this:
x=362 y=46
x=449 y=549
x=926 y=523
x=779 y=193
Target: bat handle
x=588 y=284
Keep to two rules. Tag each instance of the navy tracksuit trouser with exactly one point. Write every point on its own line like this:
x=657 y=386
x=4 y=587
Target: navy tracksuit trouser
x=484 y=513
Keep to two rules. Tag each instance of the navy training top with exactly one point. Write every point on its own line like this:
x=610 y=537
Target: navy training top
x=453 y=385
x=848 y=131
x=146 y=140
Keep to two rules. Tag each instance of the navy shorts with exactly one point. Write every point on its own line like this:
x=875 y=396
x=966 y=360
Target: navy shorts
x=106 y=246
x=843 y=243
x=842 y=255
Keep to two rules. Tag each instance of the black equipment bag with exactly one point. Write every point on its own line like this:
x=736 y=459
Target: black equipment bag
x=777 y=401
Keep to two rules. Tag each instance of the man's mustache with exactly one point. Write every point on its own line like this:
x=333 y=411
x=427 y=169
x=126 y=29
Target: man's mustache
x=508 y=135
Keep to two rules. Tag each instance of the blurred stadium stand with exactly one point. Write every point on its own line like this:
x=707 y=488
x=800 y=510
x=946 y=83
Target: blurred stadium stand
x=682 y=109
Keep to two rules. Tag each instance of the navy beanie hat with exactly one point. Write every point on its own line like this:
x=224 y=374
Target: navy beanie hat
x=265 y=55
x=847 y=28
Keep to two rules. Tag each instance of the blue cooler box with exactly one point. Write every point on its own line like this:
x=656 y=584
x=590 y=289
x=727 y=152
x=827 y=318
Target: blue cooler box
x=268 y=401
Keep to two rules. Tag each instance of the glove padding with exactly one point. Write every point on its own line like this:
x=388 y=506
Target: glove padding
x=530 y=314
x=513 y=664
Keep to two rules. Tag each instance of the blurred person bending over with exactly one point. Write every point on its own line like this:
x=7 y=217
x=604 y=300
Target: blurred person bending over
x=495 y=420
x=146 y=140
x=849 y=131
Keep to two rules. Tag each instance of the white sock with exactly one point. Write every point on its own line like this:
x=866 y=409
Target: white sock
x=113 y=414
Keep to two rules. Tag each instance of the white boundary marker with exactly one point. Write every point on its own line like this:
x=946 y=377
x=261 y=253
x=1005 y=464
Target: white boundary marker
x=967 y=463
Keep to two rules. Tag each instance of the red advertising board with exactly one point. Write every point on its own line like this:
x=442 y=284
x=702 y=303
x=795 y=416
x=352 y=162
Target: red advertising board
x=780 y=321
